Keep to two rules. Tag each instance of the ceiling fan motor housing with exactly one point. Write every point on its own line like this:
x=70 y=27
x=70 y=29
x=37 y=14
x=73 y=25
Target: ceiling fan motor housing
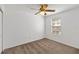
x=43 y=7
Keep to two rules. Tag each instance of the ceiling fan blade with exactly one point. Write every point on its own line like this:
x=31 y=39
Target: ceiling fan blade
x=50 y=10
x=34 y=9
x=37 y=12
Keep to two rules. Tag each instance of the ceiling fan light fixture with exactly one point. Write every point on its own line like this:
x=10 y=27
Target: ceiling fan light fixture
x=44 y=9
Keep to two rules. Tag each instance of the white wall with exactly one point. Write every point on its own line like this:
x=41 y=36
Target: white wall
x=21 y=27
x=0 y=31
x=1 y=26
x=70 y=28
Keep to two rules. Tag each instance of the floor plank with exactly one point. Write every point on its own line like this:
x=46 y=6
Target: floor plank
x=43 y=46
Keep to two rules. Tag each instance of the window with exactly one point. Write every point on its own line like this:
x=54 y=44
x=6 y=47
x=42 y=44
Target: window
x=56 y=25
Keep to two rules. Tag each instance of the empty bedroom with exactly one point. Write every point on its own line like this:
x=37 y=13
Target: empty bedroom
x=39 y=28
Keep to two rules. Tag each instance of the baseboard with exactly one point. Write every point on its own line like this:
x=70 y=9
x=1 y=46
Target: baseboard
x=63 y=43
x=25 y=42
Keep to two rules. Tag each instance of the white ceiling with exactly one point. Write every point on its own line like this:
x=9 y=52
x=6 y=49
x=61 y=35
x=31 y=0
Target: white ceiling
x=27 y=7
x=57 y=7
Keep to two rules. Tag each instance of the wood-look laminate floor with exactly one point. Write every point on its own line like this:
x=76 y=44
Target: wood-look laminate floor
x=43 y=46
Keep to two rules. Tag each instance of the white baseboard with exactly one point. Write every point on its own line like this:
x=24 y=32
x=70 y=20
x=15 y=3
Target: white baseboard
x=68 y=44
x=24 y=42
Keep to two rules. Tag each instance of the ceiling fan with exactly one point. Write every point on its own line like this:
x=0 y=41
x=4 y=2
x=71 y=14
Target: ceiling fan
x=43 y=8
